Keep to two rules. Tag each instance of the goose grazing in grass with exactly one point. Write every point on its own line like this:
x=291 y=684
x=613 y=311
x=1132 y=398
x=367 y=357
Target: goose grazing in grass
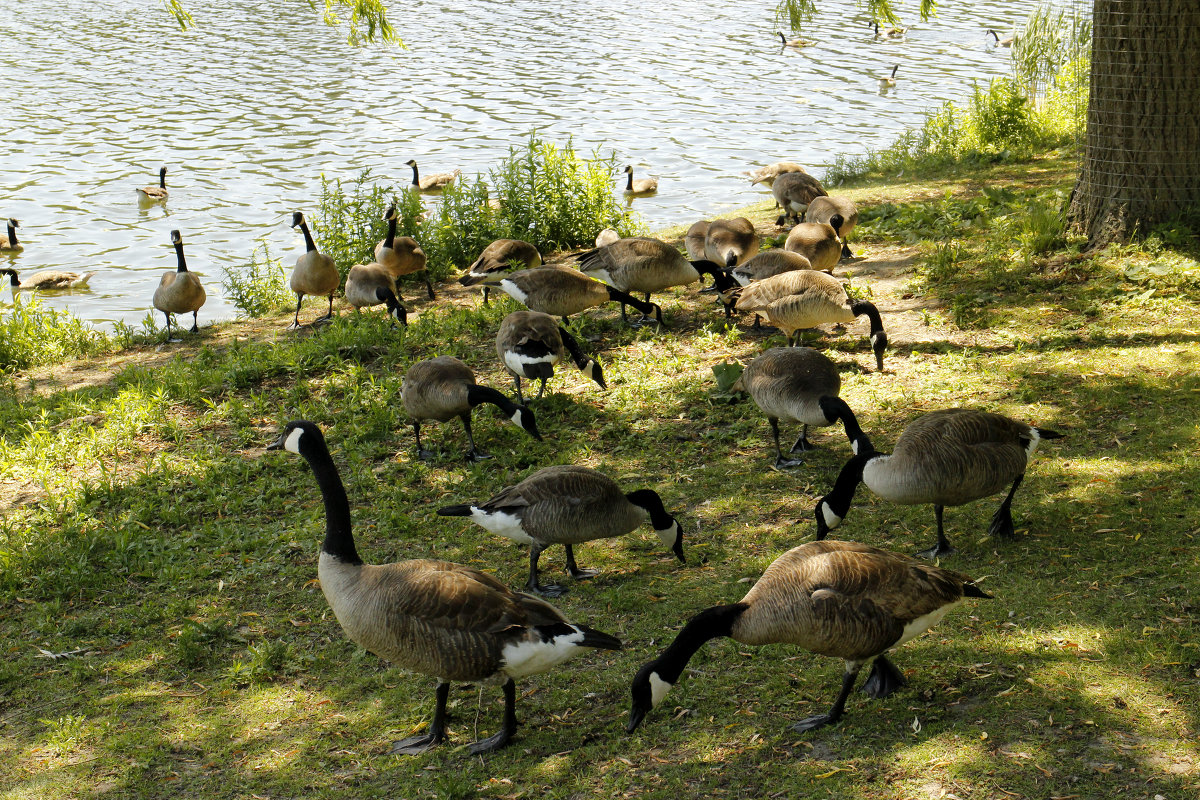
x=767 y=263
x=887 y=81
x=444 y=387
x=180 y=291
x=824 y=209
x=693 y=240
x=155 y=193
x=793 y=191
x=499 y=257
x=315 y=273
x=729 y=242
x=530 y=343
x=1005 y=42
x=561 y=292
x=792 y=301
x=569 y=505
x=770 y=172
x=369 y=285
x=838 y=599
x=794 y=42
x=642 y=187
x=401 y=255
x=48 y=280
x=642 y=264
x=431 y=184
x=947 y=458
x=797 y=384
x=819 y=242
x=436 y=618
x=9 y=243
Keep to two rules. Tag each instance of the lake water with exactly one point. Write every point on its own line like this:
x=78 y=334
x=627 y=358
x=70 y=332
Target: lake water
x=251 y=108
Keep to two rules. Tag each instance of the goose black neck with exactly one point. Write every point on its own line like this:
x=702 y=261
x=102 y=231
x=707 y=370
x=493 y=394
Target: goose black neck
x=308 y=240
x=708 y=624
x=842 y=494
x=629 y=183
x=721 y=279
x=572 y=347
x=861 y=307
x=477 y=394
x=12 y=234
x=630 y=300
x=834 y=409
x=390 y=241
x=179 y=254
x=12 y=276
x=339 y=541
x=416 y=178
x=162 y=179
x=649 y=500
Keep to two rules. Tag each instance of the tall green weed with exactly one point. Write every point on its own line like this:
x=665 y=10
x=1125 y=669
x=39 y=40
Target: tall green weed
x=32 y=333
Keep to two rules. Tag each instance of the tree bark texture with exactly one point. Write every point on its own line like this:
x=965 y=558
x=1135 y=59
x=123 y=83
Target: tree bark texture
x=1141 y=161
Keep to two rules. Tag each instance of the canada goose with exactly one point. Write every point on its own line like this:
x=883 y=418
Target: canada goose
x=155 y=192
x=369 y=285
x=889 y=80
x=769 y=173
x=499 y=257
x=729 y=242
x=694 y=240
x=839 y=599
x=947 y=458
x=819 y=242
x=793 y=191
x=606 y=236
x=642 y=187
x=434 y=618
x=641 y=264
x=560 y=291
x=530 y=343
x=400 y=255
x=797 y=384
x=792 y=301
x=314 y=273
x=569 y=505
x=431 y=184
x=888 y=33
x=794 y=42
x=444 y=387
x=824 y=209
x=48 y=279
x=1005 y=42
x=180 y=291
x=9 y=243
x=767 y=263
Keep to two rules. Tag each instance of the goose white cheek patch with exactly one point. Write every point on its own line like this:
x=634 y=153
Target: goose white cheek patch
x=831 y=519
x=293 y=440
x=658 y=689
x=513 y=291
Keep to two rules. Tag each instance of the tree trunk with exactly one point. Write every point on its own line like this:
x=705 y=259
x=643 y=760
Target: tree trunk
x=1141 y=161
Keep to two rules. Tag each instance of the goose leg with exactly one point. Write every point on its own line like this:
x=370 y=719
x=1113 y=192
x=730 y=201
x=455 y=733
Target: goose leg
x=884 y=679
x=429 y=288
x=436 y=733
x=296 y=320
x=507 y=729
x=942 y=548
x=422 y=453
x=552 y=590
x=474 y=454
x=573 y=568
x=839 y=705
x=167 y=314
x=541 y=389
x=486 y=292
x=517 y=383
x=328 y=315
x=803 y=445
x=195 y=322
x=780 y=461
x=1002 y=524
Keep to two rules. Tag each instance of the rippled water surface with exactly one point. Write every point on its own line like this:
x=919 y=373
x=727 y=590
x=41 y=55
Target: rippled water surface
x=250 y=109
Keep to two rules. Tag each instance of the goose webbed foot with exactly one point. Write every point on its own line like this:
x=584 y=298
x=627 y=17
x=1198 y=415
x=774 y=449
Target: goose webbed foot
x=939 y=550
x=425 y=455
x=1002 y=524
x=884 y=679
x=812 y=723
x=547 y=590
x=802 y=445
x=415 y=745
x=788 y=463
x=500 y=738
x=295 y=326
x=708 y=290
x=322 y=321
x=475 y=454
x=581 y=574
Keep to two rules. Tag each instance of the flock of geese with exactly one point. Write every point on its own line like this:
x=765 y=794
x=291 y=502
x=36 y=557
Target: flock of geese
x=844 y=600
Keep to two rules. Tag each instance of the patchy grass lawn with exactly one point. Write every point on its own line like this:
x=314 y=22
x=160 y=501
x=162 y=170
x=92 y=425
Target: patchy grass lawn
x=163 y=634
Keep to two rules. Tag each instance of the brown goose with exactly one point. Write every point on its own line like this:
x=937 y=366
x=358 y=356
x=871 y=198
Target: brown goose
x=606 y=236
x=769 y=173
x=431 y=184
x=180 y=291
x=797 y=384
x=9 y=243
x=401 y=255
x=444 y=387
x=693 y=241
x=315 y=273
x=530 y=343
x=792 y=301
x=155 y=193
x=838 y=599
x=435 y=618
x=641 y=264
x=820 y=243
x=497 y=258
x=369 y=285
x=1007 y=41
x=793 y=191
x=824 y=209
x=771 y=262
x=48 y=279
x=560 y=291
x=729 y=242
x=642 y=187
x=569 y=505
x=946 y=458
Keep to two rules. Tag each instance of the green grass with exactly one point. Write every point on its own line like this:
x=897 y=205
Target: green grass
x=147 y=533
